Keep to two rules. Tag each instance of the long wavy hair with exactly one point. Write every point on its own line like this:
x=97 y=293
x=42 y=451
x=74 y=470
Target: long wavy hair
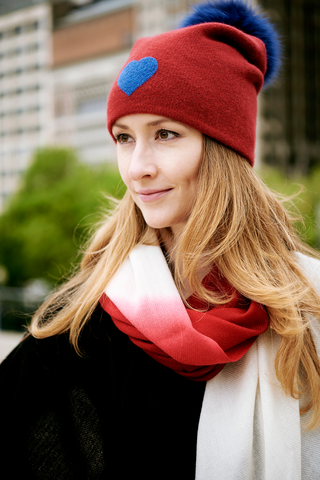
x=236 y=224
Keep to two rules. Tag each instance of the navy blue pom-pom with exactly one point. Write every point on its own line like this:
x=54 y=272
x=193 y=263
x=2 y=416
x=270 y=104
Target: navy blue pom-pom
x=239 y=14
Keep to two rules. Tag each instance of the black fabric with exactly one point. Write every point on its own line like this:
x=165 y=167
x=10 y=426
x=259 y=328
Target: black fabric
x=113 y=413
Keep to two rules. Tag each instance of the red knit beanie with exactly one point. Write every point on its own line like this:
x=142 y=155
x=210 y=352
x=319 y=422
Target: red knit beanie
x=206 y=75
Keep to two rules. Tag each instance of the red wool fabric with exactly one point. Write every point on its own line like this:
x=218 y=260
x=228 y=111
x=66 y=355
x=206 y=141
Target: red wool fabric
x=234 y=327
x=208 y=77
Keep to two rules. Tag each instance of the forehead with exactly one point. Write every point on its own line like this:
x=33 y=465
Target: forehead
x=144 y=119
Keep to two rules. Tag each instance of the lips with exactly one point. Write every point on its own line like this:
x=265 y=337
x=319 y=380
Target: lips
x=151 y=195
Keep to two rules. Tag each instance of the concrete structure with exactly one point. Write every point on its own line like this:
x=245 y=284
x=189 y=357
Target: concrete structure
x=157 y=16
x=89 y=48
x=290 y=110
x=25 y=90
x=58 y=59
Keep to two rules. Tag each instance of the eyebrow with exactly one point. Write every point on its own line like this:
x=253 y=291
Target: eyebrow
x=149 y=124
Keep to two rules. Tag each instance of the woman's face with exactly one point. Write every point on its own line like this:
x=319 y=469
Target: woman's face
x=159 y=161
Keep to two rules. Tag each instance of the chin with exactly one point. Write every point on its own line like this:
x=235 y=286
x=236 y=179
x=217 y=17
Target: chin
x=157 y=225
x=162 y=225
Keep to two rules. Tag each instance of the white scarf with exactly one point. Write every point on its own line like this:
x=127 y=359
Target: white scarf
x=249 y=429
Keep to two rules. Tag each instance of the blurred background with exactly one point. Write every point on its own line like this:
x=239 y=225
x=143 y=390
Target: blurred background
x=58 y=60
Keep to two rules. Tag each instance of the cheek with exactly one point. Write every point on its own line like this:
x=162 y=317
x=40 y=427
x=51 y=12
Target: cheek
x=189 y=170
x=197 y=163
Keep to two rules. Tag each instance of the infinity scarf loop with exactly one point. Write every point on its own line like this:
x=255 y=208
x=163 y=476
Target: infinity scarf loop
x=144 y=303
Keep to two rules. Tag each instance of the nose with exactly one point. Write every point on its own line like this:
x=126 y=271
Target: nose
x=142 y=162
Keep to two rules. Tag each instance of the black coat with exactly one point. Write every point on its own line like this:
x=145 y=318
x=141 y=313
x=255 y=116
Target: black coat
x=114 y=413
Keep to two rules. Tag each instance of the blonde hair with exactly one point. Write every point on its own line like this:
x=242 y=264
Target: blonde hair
x=238 y=225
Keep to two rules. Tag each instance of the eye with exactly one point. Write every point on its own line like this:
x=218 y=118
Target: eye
x=166 y=134
x=122 y=138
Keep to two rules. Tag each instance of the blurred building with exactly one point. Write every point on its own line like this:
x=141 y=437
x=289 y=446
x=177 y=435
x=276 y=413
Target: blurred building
x=58 y=60
x=290 y=110
x=25 y=87
x=89 y=46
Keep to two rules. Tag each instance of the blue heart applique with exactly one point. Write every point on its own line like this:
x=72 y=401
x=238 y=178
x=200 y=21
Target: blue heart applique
x=136 y=74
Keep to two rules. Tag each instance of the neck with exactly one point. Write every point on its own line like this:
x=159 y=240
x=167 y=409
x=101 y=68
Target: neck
x=169 y=238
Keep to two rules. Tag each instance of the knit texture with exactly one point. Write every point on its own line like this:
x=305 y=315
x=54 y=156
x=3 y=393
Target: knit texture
x=144 y=303
x=246 y=18
x=113 y=413
x=259 y=433
x=208 y=77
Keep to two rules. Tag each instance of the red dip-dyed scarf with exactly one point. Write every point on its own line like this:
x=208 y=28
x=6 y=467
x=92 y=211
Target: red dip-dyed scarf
x=144 y=303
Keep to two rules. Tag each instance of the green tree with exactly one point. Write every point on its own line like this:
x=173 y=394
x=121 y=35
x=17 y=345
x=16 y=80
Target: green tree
x=44 y=223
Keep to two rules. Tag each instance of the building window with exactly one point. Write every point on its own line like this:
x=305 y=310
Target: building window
x=92 y=105
x=32 y=47
x=8 y=33
x=30 y=27
x=91 y=98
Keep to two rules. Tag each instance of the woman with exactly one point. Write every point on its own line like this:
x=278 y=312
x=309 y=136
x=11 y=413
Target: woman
x=186 y=342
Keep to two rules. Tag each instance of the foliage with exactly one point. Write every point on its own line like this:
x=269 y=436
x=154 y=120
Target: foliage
x=306 y=199
x=58 y=200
